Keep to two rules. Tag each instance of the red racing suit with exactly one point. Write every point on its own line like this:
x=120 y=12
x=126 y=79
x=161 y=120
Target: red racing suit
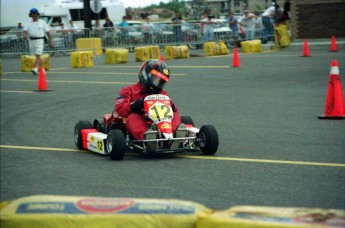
x=136 y=124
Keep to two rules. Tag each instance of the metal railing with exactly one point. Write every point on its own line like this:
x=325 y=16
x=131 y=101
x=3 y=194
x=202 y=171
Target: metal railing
x=64 y=41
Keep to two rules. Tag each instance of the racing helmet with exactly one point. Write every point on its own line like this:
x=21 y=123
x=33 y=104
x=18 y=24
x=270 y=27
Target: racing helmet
x=33 y=11
x=153 y=75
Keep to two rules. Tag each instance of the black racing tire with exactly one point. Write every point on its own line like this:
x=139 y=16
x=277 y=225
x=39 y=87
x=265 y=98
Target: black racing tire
x=116 y=144
x=187 y=120
x=208 y=140
x=78 y=139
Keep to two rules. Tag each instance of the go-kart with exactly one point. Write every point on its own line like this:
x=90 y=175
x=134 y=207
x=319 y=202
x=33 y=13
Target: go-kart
x=109 y=136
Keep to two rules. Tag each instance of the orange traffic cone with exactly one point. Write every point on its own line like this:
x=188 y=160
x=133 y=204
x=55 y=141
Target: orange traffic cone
x=235 y=59
x=42 y=83
x=333 y=45
x=334 y=107
x=162 y=58
x=306 y=49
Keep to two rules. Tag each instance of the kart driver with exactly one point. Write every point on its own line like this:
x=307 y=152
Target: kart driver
x=153 y=75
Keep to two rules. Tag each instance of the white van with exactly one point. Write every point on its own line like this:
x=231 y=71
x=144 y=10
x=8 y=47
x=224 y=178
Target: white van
x=64 y=11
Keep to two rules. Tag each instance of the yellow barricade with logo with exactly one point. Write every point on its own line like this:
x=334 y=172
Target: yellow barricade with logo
x=116 y=55
x=282 y=35
x=213 y=48
x=94 y=44
x=251 y=46
x=81 y=59
x=28 y=62
x=71 y=211
x=273 y=217
x=176 y=52
x=145 y=53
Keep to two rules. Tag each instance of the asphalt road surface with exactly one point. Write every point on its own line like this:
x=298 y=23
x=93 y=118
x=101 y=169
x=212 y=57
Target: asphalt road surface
x=273 y=150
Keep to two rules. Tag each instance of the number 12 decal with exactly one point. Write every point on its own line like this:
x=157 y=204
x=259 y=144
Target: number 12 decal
x=161 y=111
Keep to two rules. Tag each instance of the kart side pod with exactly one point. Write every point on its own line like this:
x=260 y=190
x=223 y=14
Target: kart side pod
x=94 y=140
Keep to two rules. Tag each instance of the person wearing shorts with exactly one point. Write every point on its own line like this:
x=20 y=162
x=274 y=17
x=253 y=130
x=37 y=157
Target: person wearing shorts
x=35 y=32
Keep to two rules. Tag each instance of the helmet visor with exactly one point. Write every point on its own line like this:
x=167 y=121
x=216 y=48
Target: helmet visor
x=158 y=79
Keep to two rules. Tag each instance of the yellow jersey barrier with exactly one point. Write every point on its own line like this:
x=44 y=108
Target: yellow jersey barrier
x=28 y=62
x=145 y=53
x=251 y=46
x=213 y=48
x=81 y=59
x=176 y=52
x=116 y=55
x=90 y=44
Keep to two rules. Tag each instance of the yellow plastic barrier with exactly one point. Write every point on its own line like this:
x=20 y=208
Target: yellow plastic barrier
x=175 y=52
x=272 y=217
x=117 y=55
x=28 y=62
x=282 y=34
x=213 y=48
x=223 y=49
x=70 y=211
x=145 y=53
x=90 y=43
x=251 y=46
x=81 y=59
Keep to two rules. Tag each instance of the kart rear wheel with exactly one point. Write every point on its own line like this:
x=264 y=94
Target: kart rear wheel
x=78 y=139
x=116 y=144
x=187 y=120
x=208 y=140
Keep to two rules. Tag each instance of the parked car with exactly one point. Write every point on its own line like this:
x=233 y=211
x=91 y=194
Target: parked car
x=222 y=31
x=12 y=41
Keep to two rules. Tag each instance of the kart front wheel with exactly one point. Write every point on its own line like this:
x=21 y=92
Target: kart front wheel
x=208 y=140
x=78 y=139
x=116 y=144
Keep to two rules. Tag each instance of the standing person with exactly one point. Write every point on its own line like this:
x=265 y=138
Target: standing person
x=153 y=75
x=124 y=29
x=108 y=24
x=267 y=20
x=35 y=31
x=65 y=34
x=109 y=28
x=147 y=29
x=207 y=27
x=73 y=28
x=19 y=29
x=233 y=25
x=177 y=22
x=247 y=24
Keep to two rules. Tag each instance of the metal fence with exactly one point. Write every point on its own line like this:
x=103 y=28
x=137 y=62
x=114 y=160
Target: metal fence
x=64 y=41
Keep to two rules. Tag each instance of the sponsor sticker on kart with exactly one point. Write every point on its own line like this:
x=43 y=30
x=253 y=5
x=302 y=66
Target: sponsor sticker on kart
x=104 y=206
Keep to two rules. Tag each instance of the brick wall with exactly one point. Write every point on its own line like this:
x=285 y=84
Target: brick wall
x=317 y=19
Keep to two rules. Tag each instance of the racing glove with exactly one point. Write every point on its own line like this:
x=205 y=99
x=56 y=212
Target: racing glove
x=137 y=105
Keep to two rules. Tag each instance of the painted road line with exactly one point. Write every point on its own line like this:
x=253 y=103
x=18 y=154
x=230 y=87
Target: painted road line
x=9 y=91
x=266 y=161
x=196 y=157
x=89 y=72
x=55 y=81
x=172 y=66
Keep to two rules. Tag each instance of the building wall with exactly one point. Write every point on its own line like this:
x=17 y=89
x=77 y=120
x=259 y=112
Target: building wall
x=317 y=18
